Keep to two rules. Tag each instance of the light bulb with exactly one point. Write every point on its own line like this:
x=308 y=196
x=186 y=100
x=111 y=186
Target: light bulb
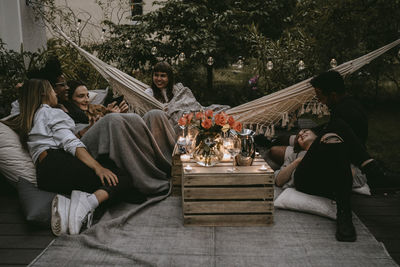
x=333 y=63
x=181 y=57
x=210 y=61
x=240 y=64
x=301 y=65
x=127 y=43
x=154 y=50
x=103 y=31
x=270 y=65
x=78 y=24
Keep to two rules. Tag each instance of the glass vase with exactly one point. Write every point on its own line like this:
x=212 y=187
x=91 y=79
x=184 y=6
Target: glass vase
x=208 y=151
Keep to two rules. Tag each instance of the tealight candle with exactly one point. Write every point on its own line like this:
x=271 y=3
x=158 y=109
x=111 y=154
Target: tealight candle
x=263 y=168
x=226 y=157
x=185 y=157
x=188 y=168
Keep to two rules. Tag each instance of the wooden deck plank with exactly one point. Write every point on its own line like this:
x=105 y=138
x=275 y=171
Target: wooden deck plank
x=24 y=242
x=18 y=256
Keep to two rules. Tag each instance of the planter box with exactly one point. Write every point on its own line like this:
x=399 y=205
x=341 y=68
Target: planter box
x=211 y=196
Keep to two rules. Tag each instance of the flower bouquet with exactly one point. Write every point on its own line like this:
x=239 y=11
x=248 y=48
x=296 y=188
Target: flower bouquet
x=208 y=128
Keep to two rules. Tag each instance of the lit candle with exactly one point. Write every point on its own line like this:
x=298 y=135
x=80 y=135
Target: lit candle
x=188 y=168
x=226 y=157
x=185 y=157
x=263 y=168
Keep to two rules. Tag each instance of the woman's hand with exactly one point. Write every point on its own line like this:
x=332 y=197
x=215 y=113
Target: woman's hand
x=113 y=108
x=106 y=175
x=123 y=106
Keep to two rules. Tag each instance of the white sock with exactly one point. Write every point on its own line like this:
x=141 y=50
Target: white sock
x=93 y=202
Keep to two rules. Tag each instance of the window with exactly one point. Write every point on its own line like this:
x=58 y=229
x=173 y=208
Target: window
x=136 y=7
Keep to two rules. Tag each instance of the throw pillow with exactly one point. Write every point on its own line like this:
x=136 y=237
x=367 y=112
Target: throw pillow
x=15 y=161
x=292 y=199
x=36 y=203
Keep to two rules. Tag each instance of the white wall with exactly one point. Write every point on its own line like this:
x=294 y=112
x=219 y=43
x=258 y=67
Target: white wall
x=120 y=15
x=17 y=26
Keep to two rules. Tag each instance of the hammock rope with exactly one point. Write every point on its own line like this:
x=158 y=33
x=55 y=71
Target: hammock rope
x=262 y=113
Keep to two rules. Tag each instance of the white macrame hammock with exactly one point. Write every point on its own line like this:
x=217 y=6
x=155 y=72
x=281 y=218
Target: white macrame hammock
x=260 y=114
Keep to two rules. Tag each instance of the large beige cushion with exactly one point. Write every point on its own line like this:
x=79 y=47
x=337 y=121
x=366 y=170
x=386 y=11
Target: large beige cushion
x=15 y=161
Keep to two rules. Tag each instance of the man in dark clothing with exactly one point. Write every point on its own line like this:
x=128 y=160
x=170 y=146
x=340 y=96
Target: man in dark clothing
x=331 y=91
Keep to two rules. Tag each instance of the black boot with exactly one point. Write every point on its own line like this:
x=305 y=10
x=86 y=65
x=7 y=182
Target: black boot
x=378 y=178
x=345 y=231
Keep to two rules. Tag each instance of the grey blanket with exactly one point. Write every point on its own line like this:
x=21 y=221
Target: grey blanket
x=142 y=147
x=155 y=236
x=184 y=101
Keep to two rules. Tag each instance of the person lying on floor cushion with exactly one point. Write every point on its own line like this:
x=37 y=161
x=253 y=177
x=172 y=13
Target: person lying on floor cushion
x=325 y=170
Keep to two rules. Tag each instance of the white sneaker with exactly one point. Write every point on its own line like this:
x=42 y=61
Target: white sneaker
x=59 y=215
x=80 y=212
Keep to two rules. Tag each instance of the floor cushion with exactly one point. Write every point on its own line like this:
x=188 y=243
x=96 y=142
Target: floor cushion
x=15 y=161
x=35 y=203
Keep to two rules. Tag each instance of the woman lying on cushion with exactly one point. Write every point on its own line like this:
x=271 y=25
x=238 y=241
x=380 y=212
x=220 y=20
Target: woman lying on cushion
x=324 y=170
x=62 y=161
x=294 y=154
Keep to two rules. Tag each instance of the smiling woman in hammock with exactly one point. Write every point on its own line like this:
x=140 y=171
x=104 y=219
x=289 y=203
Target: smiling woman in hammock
x=176 y=98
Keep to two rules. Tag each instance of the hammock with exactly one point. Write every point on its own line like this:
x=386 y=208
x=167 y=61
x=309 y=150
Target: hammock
x=261 y=114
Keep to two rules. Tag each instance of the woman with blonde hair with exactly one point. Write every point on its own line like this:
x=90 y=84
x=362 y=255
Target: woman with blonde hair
x=62 y=161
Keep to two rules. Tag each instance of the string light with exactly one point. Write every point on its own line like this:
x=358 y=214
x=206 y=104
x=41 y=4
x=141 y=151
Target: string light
x=301 y=65
x=270 y=65
x=181 y=57
x=210 y=61
x=127 y=43
x=103 y=31
x=153 y=50
x=239 y=64
x=333 y=63
x=78 y=24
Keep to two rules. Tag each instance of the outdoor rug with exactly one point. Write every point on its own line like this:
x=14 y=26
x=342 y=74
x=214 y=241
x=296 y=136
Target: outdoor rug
x=155 y=236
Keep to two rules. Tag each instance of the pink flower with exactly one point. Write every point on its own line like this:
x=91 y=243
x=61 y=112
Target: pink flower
x=182 y=121
x=221 y=119
x=207 y=123
x=237 y=126
x=208 y=113
x=189 y=117
x=231 y=121
x=199 y=116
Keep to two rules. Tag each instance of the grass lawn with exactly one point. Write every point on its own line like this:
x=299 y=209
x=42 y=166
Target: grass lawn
x=384 y=135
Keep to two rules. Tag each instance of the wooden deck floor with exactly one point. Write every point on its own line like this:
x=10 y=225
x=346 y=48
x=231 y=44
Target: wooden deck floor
x=21 y=243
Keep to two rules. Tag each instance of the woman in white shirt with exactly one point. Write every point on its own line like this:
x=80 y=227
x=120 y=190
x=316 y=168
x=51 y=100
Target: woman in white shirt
x=62 y=161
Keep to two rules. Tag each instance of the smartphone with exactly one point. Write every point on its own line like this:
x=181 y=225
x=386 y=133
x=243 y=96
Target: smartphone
x=118 y=99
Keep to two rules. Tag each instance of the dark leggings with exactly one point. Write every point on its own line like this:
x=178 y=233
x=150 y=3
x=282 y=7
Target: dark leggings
x=325 y=171
x=60 y=172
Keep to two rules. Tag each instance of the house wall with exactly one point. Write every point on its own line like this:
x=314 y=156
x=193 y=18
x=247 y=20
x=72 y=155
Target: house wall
x=93 y=30
x=17 y=26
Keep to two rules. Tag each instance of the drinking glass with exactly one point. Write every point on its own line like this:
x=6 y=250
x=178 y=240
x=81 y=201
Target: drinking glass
x=232 y=144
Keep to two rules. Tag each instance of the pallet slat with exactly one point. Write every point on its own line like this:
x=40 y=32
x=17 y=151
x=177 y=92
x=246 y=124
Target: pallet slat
x=229 y=193
x=228 y=207
x=226 y=179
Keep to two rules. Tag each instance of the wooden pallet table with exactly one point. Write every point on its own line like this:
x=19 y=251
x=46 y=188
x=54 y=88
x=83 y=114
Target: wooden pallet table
x=212 y=196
